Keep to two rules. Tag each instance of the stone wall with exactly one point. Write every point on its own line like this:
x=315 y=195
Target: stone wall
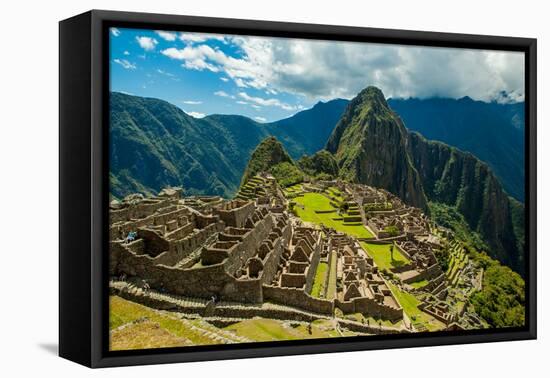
x=202 y=282
x=235 y=213
x=369 y=307
x=249 y=244
x=179 y=249
x=314 y=262
x=426 y=274
x=271 y=262
x=297 y=298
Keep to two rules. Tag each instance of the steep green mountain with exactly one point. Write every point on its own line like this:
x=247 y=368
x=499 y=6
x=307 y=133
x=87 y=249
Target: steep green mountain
x=373 y=147
x=493 y=132
x=459 y=179
x=155 y=144
x=321 y=165
x=270 y=156
x=370 y=144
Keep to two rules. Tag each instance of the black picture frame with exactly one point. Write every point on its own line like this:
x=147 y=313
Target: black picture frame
x=83 y=181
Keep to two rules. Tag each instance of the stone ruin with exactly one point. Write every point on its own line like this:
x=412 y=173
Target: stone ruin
x=252 y=250
x=242 y=250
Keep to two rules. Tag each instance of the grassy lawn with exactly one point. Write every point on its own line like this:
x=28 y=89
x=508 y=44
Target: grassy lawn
x=410 y=303
x=382 y=256
x=317 y=201
x=122 y=312
x=260 y=329
x=320 y=281
x=419 y=284
x=145 y=334
x=293 y=189
x=331 y=289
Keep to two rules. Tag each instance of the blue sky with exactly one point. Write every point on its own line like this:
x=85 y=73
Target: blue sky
x=268 y=79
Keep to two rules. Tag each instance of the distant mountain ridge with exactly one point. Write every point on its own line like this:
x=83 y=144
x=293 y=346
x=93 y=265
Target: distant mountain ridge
x=493 y=132
x=372 y=147
x=155 y=144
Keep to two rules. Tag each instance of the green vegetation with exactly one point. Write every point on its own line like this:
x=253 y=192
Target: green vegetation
x=367 y=127
x=332 y=276
x=311 y=203
x=410 y=303
x=272 y=330
x=501 y=302
x=449 y=217
x=491 y=131
x=458 y=259
x=287 y=174
x=320 y=281
x=123 y=312
x=155 y=144
x=320 y=165
x=392 y=230
x=419 y=284
x=269 y=153
x=442 y=256
x=379 y=206
x=382 y=256
x=359 y=317
x=144 y=334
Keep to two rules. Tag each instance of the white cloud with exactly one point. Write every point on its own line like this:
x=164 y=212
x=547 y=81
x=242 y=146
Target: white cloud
x=126 y=52
x=260 y=119
x=192 y=102
x=240 y=102
x=223 y=94
x=115 y=32
x=193 y=57
x=165 y=73
x=147 y=43
x=167 y=36
x=200 y=37
x=195 y=114
x=224 y=79
x=266 y=102
x=125 y=64
x=326 y=69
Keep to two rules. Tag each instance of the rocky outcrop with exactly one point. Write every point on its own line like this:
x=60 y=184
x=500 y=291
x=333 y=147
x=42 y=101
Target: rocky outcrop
x=459 y=179
x=373 y=147
x=370 y=144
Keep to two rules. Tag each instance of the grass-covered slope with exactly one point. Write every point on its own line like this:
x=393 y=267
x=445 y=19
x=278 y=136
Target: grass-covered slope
x=271 y=157
x=154 y=144
x=467 y=185
x=321 y=165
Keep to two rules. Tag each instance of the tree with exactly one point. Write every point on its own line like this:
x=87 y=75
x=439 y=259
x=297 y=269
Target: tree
x=391 y=252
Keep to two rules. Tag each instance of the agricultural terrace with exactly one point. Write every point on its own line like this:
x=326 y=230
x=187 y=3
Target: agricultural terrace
x=420 y=320
x=316 y=208
x=133 y=326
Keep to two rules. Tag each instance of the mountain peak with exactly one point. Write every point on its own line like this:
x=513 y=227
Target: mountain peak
x=268 y=154
x=369 y=144
x=373 y=96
